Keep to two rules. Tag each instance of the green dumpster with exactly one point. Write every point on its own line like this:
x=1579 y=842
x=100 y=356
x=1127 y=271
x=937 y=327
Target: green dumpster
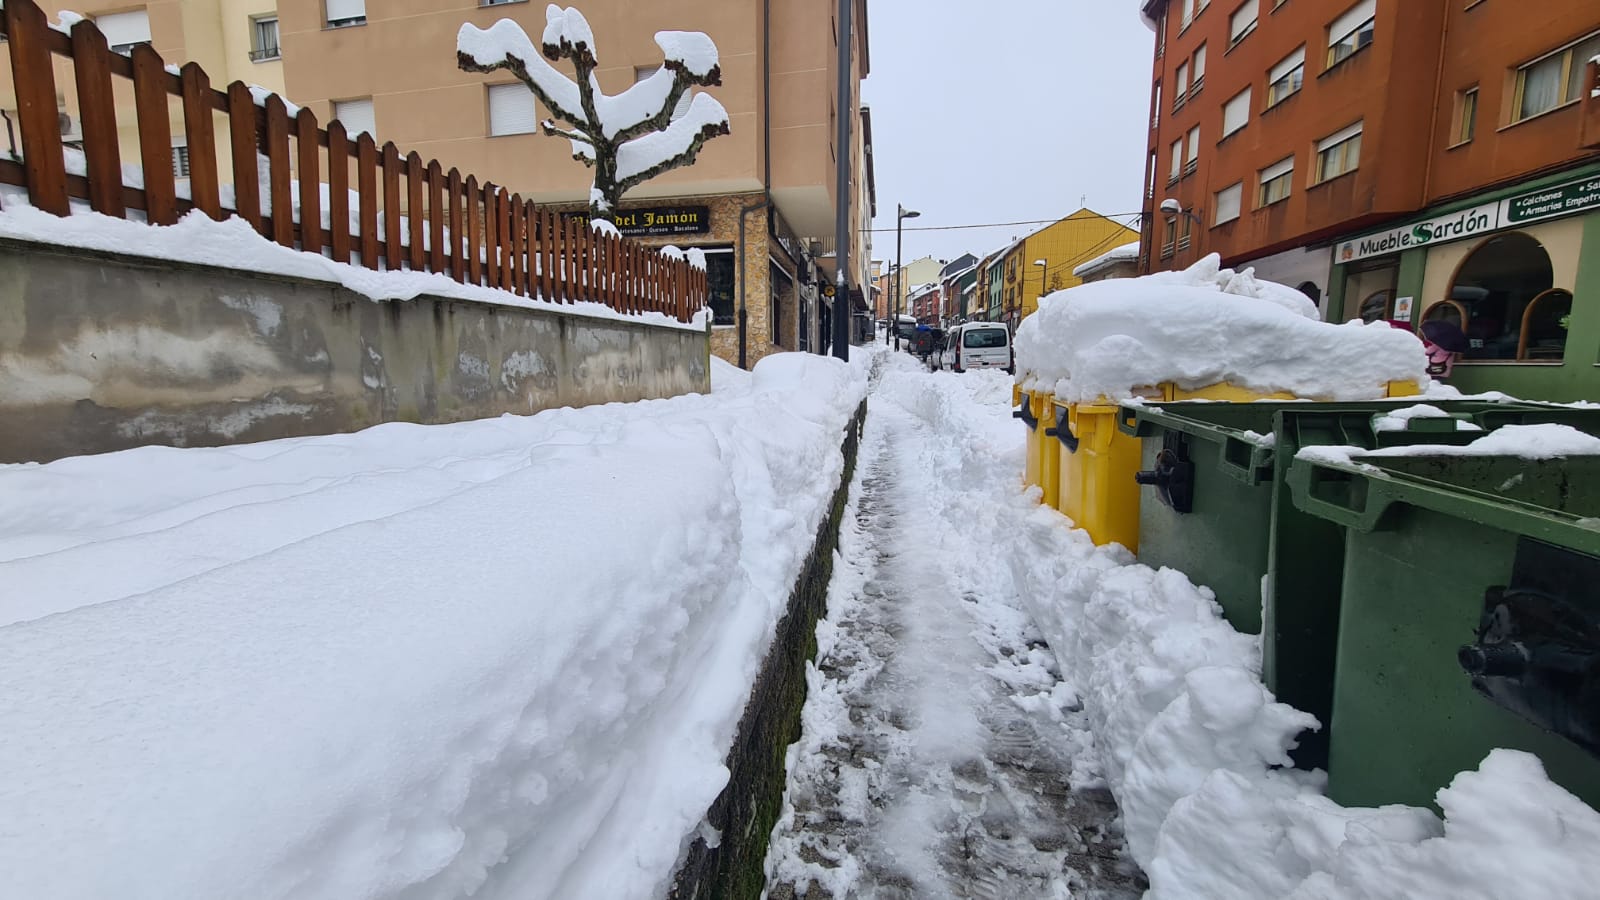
x=1216 y=509
x=1470 y=618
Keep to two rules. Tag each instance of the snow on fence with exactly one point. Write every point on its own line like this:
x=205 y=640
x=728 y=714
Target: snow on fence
x=434 y=221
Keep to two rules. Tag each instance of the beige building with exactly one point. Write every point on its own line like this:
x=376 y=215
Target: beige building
x=760 y=200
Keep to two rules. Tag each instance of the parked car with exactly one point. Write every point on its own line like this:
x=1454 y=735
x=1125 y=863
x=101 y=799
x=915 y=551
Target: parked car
x=977 y=345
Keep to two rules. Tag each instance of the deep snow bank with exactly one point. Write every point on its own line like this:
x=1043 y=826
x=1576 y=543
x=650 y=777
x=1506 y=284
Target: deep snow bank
x=1200 y=327
x=1195 y=750
x=503 y=657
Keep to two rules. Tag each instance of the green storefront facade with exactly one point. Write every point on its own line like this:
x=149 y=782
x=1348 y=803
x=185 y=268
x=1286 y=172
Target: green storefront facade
x=1518 y=269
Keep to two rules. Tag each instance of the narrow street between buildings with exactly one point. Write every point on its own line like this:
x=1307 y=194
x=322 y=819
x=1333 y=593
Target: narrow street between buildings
x=942 y=754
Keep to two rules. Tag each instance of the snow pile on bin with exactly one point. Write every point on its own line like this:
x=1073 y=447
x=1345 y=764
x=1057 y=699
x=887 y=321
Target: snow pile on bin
x=498 y=658
x=1204 y=326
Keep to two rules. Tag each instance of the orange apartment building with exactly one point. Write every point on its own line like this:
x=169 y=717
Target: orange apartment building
x=760 y=201
x=1395 y=159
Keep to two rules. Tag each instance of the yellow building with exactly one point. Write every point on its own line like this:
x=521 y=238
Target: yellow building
x=1049 y=255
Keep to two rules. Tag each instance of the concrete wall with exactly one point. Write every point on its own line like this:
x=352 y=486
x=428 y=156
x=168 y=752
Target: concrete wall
x=101 y=352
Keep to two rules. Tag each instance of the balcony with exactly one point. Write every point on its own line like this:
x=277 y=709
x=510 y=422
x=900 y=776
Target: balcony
x=265 y=54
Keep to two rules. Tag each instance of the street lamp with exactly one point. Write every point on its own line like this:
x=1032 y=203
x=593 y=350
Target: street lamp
x=901 y=214
x=1044 y=272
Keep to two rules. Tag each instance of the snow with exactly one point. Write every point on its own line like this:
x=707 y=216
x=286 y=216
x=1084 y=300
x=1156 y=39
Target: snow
x=505 y=40
x=232 y=243
x=1161 y=701
x=605 y=227
x=568 y=29
x=1400 y=419
x=1117 y=254
x=693 y=50
x=694 y=53
x=502 y=658
x=1203 y=326
x=260 y=95
x=1532 y=442
x=650 y=150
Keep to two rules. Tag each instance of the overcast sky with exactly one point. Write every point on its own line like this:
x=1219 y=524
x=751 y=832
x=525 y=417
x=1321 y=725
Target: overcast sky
x=1002 y=111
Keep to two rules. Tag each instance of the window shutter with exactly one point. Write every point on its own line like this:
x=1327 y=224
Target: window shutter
x=512 y=109
x=1228 y=203
x=1199 y=63
x=124 y=28
x=1345 y=24
x=1236 y=113
x=339 y=10
x=357 y=117
x=1243 y=19
x=1177 y=158
x=1194 y=143
x=1276 y=169
x=1339 y=137
x=1289 y=64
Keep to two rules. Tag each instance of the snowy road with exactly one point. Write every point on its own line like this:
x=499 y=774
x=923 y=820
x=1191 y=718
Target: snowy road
x=940 y=757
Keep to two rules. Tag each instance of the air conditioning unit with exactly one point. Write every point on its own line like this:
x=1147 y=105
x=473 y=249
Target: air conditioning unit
x=71 y=129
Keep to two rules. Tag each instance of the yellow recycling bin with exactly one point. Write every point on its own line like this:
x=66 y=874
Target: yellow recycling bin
x=1096 y=463
x=1088 y=465
x=1034 y=411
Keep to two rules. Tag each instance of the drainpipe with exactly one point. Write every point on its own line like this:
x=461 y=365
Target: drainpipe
x=744 y=281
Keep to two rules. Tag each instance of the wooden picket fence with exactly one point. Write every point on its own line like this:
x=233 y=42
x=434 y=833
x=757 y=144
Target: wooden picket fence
x=474 y=233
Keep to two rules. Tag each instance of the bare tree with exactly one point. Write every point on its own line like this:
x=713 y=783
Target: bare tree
x=628 y=138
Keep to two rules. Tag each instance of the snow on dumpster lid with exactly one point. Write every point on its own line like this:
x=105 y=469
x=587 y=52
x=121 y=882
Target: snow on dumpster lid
x=1202 y=326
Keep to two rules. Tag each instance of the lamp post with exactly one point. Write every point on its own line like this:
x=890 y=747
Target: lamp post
x=901 y=215
x=1044 y=275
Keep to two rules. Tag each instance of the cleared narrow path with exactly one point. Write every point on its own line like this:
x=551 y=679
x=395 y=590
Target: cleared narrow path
x=938 y=756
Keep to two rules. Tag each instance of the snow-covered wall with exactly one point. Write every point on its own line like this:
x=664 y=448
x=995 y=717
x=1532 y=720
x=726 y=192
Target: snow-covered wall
x=110 y=352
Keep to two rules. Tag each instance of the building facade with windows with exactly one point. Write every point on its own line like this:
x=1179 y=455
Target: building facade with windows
x=1395 y=159
x=760 y=201
x=233 y=40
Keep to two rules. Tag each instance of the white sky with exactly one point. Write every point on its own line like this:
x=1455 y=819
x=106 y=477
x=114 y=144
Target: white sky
x=1001 y=111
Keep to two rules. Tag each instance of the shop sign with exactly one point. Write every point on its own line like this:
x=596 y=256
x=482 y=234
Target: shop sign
x=1438 y=230
x=1557 y=200
x=657 y=220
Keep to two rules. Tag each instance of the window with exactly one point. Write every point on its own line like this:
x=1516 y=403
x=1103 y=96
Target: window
x=1228 y=203
x=1369 y=289
x=1285 y=78
x=1193 y=161
x=719 y=284
x=1504 y=301
x=1155 y=117
x=1177 y=161
x=1188 y=13
x=640 y=73
x=1184 y=232
x=356 y=116
x=1199 y=70
x=1466 y=117
x=1553 y=80
x=1243 y=21
x=1276 y=181
x=264 y=38
x=1236 y=112
x=1171 y=238
x=1150 y=186
x=1182 y=90
x=180 y=157
x=1338 y=153
x=1351 y=32
x=124 y=30
x=346 y=12
x=512 y=110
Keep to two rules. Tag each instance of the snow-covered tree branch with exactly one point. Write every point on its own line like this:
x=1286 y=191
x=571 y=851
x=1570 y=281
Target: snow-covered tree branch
x=627 y=138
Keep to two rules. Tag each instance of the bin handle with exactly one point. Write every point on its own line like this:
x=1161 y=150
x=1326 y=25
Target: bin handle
x=1025 y=413
x=1307 y=483
x=1063 y=432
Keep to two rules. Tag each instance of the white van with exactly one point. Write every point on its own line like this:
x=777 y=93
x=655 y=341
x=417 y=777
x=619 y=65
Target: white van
x=977 y=345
